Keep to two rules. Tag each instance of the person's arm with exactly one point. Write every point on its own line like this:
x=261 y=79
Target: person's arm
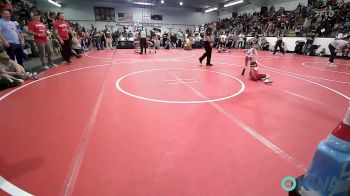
x=20 y=37
x=56 y=33
x=30 y=32
x=11 y=73
x=58 y=36
x=17 y=67
x=69 y=29
x=3 y=40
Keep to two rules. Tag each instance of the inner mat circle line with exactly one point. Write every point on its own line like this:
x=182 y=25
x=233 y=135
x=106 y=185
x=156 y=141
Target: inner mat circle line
x=118 y=86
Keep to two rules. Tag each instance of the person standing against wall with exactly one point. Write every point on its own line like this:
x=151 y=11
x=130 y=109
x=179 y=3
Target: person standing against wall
x=208 y=44
x=62 y=31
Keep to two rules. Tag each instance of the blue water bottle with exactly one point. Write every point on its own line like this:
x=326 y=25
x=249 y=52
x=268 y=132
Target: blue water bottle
x=329 y=174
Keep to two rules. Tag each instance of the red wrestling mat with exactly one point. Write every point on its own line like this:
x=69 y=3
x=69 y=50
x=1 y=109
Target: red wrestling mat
x=118 y=123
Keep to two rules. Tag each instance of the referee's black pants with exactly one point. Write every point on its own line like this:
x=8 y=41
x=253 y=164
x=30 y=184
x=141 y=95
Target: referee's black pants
x=143 y=45
x=208 y=52
x=333 y=53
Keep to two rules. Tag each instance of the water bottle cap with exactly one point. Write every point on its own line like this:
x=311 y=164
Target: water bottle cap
x=346 y=119
x=342 y=131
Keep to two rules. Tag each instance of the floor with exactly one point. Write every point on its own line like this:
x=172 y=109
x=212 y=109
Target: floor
x=118 y=123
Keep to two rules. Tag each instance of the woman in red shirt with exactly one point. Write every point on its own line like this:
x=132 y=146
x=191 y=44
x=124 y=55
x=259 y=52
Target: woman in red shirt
x=62 y=30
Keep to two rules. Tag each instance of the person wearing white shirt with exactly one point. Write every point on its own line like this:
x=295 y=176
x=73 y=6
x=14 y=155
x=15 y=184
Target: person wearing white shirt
x=241 y=40
x=336 y=46
x=143 y=41
x=208 y=44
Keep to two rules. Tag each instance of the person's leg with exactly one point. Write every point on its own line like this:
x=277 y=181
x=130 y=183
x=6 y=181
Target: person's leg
x=41 y=48
x=19 y=54
x=103 y=43
x=333 y=53
x=11 y=52
x=304 y=49
x=141 y=46
x=246 y=64
x=102 y=46
x=210 y=50
x=278 y=44
x=206 y=52
x=110 y=43
x=78 y=52
x=275 y=49
x=48 y=50
x=282 y=49
x=98 y=44
x=66 y=51
x=63 y=52
x=107 y=43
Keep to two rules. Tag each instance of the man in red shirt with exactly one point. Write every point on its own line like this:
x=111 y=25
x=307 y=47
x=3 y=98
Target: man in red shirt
x=62 y=31
x=39 y=31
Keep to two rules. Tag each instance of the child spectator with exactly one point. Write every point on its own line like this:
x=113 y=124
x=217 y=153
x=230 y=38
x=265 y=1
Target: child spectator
x=12 y=71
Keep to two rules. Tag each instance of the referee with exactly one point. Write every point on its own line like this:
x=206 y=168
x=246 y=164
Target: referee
x=143 y=41
x=279 y=44
x=208 y=44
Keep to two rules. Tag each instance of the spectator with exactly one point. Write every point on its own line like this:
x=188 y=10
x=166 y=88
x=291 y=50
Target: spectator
x=103 y=39
x=97 y=40
x=173 y=40
x=241 y=40
x=109 y=41
x=39 y=31
x=62 y=31
x=165 y=38
x=279 y=44
x=29 y=41
x=308 y=44
x=11 y=37
x=157 y=42
x=11 y=70
x=143 y=41
x=76 y=45
x=115 y=37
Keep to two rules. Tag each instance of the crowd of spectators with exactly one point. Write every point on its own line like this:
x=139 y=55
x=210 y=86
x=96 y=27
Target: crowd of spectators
x=320 y=19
